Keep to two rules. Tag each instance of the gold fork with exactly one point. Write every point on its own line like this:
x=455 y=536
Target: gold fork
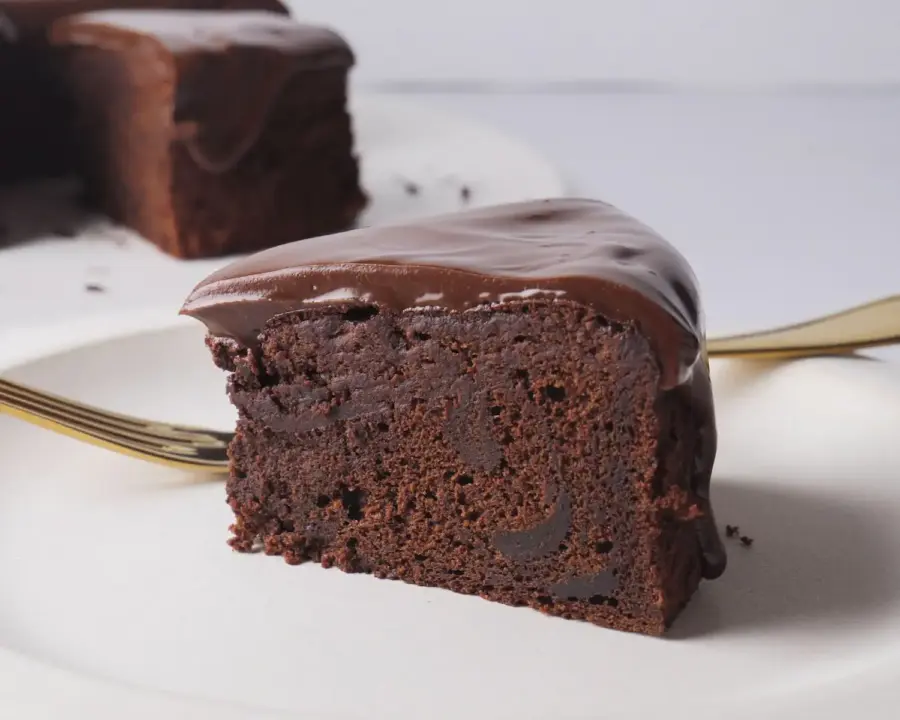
x=190 y=448
x=180 y=446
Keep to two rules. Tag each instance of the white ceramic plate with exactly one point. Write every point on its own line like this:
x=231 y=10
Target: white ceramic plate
x=415 y=162
x=120 y=599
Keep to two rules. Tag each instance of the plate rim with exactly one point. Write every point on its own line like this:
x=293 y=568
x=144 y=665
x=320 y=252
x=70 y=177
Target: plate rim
x=36 y=688
x=24 y=346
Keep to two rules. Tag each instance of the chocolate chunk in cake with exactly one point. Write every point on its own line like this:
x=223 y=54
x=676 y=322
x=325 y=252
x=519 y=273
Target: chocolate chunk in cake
x=214 y=133
x=37 y=133
x=511 y=402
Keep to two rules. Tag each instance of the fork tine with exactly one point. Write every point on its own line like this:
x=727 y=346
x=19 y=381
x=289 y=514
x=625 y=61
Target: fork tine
x=133 y=440
x=185 y=458
x=112 y=420
x=46 y=399
x=182 y=446
x=89 y=423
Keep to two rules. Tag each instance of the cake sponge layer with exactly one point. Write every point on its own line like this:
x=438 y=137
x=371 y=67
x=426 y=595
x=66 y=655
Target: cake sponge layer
x=520 y=451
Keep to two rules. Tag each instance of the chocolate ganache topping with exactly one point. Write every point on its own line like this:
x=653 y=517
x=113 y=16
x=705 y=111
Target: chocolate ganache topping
x=584 y=251
x=228 y=68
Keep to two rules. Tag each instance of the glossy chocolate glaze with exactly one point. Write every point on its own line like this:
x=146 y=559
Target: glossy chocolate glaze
x=228 y=68
x=582 y=250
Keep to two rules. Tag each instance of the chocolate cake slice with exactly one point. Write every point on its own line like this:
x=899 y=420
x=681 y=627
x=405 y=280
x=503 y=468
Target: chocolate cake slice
x=37 y=138
x=214 y=133
x=511 y=402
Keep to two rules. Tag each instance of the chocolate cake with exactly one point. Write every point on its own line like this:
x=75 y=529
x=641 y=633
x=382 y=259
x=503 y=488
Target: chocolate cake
x=214 y=133
x=37 y=138
x=511 y=402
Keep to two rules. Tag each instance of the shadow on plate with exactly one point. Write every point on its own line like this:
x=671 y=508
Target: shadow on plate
x=815 y=561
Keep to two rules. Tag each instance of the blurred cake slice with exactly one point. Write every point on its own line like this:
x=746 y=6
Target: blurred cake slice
x=37 y=138
x=214 y=133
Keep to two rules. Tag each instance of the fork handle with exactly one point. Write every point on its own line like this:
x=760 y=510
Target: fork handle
x=870 y=325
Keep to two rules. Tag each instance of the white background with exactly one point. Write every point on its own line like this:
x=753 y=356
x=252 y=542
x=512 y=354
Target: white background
x=722 y=43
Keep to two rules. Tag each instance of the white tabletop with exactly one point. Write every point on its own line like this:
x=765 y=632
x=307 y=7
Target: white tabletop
x=786 y=205
x=692 y=43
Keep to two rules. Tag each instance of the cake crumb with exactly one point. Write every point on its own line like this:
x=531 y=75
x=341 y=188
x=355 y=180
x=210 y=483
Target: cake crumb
x=410 y=188
x=465 y=193
x=94 y=288
x=746 y=541
x=731 y=530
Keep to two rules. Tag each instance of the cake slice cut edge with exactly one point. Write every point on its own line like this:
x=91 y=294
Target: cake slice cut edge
x=530 y=449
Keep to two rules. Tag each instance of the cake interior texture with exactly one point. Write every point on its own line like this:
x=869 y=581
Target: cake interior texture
x=521 y=453
x=509 y=402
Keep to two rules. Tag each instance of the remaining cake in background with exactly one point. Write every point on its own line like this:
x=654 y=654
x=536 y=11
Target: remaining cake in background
x=37 y=138
x=214 y=133
x=511 y=402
